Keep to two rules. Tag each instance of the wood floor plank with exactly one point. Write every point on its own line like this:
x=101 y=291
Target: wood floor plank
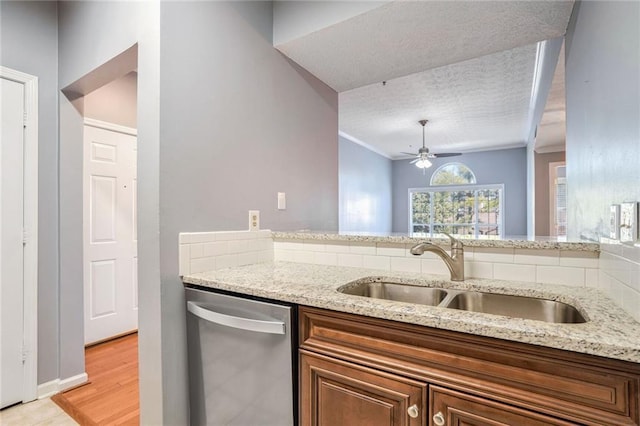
x=112 y=396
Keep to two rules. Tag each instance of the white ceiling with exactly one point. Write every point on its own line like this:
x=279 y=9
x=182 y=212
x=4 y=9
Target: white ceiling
x=482 y=103
x=467 y=66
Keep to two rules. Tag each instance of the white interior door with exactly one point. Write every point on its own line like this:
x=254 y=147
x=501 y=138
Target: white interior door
x=110 y=271
x=11 y=242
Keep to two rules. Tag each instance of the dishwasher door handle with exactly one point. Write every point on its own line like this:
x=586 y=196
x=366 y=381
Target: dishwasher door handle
x=259 y=326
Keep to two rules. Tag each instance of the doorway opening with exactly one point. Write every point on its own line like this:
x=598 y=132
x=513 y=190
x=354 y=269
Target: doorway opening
x=102 y=126
x=109 y=210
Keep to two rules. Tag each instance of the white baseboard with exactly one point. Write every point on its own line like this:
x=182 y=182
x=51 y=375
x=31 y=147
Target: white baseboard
x=53 y=387
x=74 y=381
x=48 y=389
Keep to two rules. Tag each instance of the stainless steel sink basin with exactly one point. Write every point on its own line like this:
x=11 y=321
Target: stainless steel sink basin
x=516 y=306
x=397 y=292
x=473 y=301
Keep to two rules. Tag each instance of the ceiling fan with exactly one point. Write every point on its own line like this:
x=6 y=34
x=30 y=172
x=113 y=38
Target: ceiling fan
x=422 y=157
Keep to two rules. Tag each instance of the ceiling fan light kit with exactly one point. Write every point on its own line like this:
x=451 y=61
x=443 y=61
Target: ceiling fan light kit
x=422 y=157
x=423 y=163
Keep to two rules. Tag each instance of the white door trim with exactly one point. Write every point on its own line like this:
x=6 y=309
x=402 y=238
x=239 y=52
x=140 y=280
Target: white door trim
x=110 y=126
x=30 y=266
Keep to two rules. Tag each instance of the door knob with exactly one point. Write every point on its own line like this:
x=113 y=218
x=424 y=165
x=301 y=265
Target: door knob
x=438 y=419
x=413 y=411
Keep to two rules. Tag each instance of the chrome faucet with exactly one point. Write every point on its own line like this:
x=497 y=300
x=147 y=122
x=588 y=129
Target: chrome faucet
x=455 y=262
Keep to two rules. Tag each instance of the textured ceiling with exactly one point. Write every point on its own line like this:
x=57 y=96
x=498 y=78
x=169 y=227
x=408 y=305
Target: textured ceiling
x=478 y=104
x=405 y=37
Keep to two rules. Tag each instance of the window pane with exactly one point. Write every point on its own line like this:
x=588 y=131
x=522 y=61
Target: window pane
x=453 y=229
x=463 y=206
x=561 y=205
x=453 y=207
x=489 y=206
x=488 y=231
x=442 y=207
x=421 y=207
x=453 y=174
x=420 y=229
x=458 y=212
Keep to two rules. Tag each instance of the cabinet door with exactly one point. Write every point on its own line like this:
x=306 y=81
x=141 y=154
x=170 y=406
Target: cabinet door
x=335 y=393
x=452 y=408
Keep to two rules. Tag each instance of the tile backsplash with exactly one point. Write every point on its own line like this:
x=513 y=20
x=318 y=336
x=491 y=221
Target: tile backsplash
x=576 y=268
x=208 y=251
x=615 y=270
x=619 y=275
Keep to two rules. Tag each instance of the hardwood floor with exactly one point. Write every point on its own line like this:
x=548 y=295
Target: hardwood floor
x=111 y=396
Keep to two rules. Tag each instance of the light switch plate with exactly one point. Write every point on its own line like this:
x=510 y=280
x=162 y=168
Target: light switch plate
x=628 y=222
x=614 y=222
x=282 y=201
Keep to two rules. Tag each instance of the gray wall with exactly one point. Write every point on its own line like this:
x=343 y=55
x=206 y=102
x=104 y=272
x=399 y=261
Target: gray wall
x=90 y=35
x=35 y=52
x=239 y=123
x=258 y=125
x=71 y=295
x=365 y=189
x=114 y=102
x=542 y=215
x=603 y=113
x=506 y=166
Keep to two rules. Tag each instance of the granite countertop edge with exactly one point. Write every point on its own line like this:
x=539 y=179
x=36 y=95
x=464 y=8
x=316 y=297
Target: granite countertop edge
x=609 y=331
x=541 y=244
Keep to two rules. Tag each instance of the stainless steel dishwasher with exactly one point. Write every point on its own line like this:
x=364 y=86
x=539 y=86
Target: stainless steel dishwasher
x=241 y=369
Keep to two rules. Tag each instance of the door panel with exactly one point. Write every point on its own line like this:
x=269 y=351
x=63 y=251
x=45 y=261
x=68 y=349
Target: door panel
x=103 y=288
x=103 y=201
x=11 y=246
x=454 y=408
x=110 y=246
x=339 y=393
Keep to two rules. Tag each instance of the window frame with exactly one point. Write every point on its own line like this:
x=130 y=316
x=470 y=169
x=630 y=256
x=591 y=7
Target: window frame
x=455 y=188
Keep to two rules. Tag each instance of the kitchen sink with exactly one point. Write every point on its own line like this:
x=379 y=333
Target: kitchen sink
x=516 y=306
x=397 y=292
x=474 y=301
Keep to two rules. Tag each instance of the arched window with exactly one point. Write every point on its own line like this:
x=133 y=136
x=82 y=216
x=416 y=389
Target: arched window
x=455 y=204
x=453 y=174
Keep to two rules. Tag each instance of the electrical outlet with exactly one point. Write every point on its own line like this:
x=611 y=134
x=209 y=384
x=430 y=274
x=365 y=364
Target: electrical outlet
x=254 y=220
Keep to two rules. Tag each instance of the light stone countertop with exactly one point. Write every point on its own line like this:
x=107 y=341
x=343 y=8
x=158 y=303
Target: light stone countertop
x=609 y=331
x=546 y=243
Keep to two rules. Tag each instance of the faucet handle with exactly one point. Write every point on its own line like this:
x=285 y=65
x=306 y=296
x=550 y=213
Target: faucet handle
x=455 y=243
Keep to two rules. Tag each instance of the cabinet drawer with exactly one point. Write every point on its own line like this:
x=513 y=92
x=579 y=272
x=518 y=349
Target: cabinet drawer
x=582 y=388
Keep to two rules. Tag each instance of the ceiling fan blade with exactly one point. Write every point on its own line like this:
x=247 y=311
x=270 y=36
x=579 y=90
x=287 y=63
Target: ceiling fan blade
x=409 y=153
x=415 y=161
x=446 y=154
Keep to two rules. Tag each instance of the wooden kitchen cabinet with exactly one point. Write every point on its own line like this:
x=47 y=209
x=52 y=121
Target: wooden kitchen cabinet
x=339 y=393
x=453 y=408
x=471 y=380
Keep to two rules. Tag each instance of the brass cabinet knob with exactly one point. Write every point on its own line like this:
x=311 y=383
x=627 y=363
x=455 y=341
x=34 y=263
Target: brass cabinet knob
x=413 y=411
x=438 y=419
